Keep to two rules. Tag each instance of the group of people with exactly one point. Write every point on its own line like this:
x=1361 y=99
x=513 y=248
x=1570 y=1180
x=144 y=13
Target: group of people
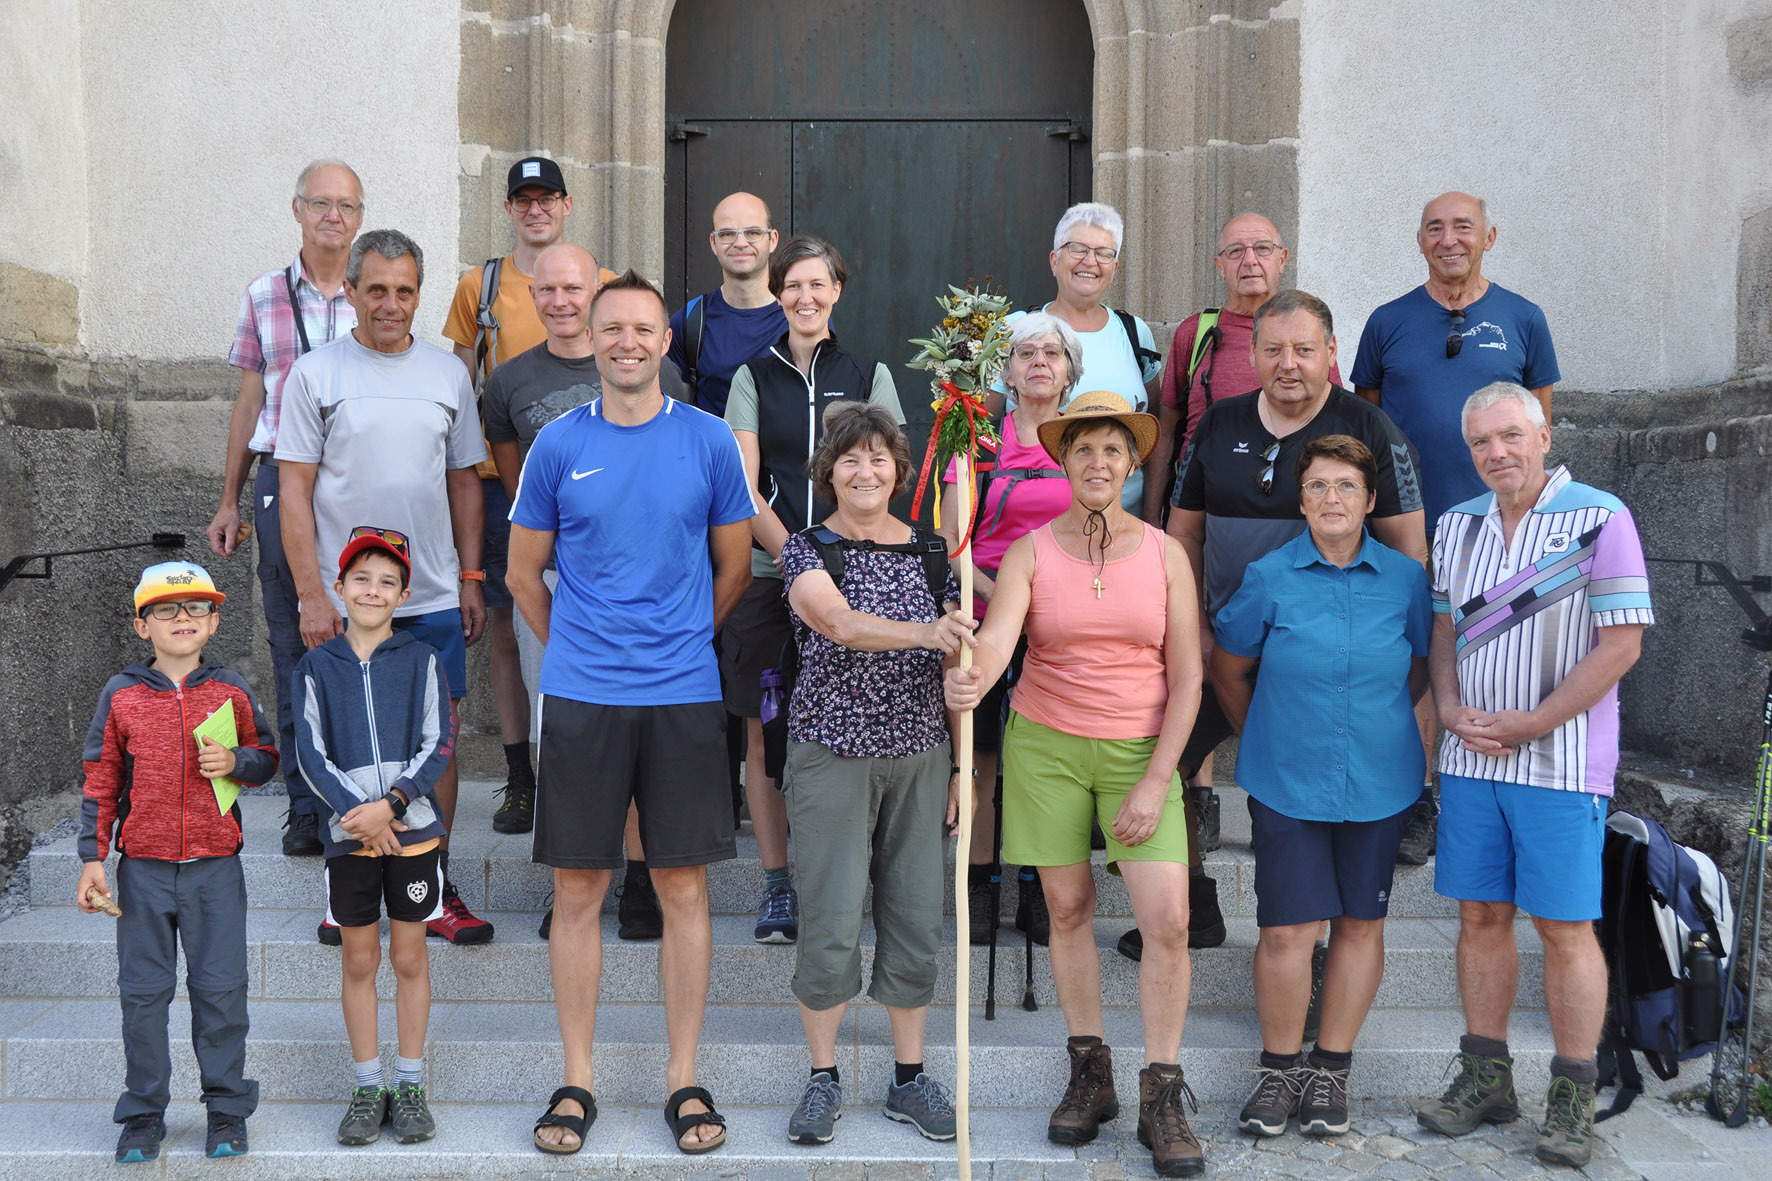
x=1166 y=554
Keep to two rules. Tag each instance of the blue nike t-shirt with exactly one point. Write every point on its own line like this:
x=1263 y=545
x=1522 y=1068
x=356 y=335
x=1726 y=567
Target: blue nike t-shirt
x=1403 y=355
x=729 y=337
x=632 y=621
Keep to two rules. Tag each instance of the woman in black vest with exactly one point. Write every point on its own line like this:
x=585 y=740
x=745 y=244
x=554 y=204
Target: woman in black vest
x=776 y=409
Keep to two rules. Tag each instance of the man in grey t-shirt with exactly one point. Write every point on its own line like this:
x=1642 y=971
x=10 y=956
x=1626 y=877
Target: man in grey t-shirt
x=379 y=429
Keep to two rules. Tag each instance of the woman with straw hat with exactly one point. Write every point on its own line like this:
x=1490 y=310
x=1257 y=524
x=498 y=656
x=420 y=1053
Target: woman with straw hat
x=1104 y=705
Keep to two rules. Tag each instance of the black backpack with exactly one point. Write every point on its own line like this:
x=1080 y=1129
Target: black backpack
x=933 y=551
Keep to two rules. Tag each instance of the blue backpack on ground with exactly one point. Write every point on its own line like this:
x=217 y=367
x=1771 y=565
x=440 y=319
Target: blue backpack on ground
x=1667 y=930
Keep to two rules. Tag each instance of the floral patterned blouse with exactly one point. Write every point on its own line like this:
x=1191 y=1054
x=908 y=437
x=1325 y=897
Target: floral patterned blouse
x=868 y=704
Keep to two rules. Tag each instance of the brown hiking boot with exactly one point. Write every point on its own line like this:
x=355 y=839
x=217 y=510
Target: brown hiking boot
x=1162 y=1125
x=1089 y=1100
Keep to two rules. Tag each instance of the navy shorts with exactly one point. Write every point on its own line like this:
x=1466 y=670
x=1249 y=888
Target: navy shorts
x=1310 y=870
x=442 y=631
x=496 y=550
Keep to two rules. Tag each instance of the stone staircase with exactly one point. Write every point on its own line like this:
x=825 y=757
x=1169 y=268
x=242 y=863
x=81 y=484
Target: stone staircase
x=494 y=1056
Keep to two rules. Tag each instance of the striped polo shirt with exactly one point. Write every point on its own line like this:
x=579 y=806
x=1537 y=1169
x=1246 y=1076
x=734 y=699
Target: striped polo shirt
x=1526 y=614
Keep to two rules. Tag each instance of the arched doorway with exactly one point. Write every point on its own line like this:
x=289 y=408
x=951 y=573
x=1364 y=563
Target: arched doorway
x=931 y=142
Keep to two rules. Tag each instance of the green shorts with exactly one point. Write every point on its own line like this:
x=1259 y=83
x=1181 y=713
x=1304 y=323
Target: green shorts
x=1054 y=783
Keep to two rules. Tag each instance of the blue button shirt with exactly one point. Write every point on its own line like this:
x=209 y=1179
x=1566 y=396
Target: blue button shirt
x=1331 y=732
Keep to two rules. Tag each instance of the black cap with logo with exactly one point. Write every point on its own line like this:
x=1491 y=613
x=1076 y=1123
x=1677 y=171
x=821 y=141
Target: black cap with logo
x=536 y=172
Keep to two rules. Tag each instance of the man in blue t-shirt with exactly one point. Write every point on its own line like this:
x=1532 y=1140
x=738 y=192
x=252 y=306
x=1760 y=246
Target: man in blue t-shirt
x=643 y=502
x=719 y=330
x=1422 y=355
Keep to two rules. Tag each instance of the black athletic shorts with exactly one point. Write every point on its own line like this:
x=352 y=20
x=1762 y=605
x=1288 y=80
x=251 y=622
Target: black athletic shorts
x=356 y=888
x=669 y=759
x=752 y=641
x=1211 y=728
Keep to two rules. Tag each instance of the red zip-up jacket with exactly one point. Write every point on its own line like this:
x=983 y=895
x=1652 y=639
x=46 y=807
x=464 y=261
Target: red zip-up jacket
x=141 y=765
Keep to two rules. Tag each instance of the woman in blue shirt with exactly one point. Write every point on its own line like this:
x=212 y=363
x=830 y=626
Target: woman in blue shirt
x=1321 y=656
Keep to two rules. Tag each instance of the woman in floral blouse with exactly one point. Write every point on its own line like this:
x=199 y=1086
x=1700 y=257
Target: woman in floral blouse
x=868 y=778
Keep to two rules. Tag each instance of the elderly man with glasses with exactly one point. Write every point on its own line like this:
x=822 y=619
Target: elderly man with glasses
x=1421 y=355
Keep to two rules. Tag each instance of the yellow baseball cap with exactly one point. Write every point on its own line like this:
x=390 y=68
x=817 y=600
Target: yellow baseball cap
x=176 y=580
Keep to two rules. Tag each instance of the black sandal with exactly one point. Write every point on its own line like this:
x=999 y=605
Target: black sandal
x=680 y=1124
x=576 y=1124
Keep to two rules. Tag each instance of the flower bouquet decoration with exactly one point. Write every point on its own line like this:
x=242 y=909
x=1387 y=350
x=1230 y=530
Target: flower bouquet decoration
x=966 y=353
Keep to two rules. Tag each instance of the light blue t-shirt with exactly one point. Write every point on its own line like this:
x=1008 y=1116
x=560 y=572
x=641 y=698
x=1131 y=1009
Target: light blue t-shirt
x=632 y=621
x=1109 y=363
x=1403 y=355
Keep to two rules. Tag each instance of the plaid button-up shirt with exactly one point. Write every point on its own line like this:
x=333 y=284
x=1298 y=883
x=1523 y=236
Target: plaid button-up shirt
x=265 y=339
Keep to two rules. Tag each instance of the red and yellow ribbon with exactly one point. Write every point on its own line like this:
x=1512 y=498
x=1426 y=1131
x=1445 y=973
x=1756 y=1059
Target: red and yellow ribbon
x=947 y=440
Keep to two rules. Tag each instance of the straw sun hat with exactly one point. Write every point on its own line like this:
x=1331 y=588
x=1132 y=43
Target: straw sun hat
x=1102 y=404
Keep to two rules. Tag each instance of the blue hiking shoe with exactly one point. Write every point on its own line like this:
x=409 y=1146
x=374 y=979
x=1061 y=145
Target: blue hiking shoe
x=815 y=1120
x=923 y=1104
x=226 y=1136
x=778 y=916
x=140 y=1139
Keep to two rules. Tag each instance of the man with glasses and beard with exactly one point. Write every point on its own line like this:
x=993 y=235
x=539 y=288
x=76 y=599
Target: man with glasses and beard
x=1423 y=354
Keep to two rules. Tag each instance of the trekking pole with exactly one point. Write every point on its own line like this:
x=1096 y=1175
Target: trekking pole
x=996 y=885
x=968 y=794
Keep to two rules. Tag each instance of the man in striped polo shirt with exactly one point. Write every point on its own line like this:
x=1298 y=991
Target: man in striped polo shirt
x=1541 y=597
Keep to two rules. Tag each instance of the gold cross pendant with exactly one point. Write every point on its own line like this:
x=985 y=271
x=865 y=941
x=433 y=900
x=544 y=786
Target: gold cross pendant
x=1098 y=586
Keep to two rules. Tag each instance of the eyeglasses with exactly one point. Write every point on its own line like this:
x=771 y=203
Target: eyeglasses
x=1345 y=489
x=395 y=539
x=1266 y=478
x=728 y=236
x=1079 y=251
x=195 y=608
x=547 y=202
x=1455 y=339
x=1262 y=249
x=323 y=207
x=1027 y=352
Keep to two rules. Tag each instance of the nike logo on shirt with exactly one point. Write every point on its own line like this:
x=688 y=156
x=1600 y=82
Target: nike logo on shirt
x=582 y=475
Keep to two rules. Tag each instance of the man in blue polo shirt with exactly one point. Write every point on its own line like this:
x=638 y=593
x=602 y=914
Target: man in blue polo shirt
x=644 y=505
x=1423 y=354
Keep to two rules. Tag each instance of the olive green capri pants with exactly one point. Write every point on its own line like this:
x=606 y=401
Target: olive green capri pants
x=861 y=820
x=1055 y=783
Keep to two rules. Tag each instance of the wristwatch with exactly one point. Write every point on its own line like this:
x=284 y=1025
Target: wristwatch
x=397 y=802
x=473 y=576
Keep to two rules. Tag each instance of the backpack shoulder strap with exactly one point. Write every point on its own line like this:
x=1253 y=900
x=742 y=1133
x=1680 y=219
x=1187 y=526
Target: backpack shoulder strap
x=929 y=547
x=695 y=320
x=486 y=330
x=1207 y=336
x=1130 y=323
x=933 y=548
x=830 y=551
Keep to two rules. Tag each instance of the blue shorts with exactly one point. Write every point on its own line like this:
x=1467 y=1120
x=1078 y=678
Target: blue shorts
x=496 y=548
x=442 y=631
x=1536 y=847
x=1310 y=870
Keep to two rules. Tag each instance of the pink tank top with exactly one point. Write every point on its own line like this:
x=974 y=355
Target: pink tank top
x=1095 y=665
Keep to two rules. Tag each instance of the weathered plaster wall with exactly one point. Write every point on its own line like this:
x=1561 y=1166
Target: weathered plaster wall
x=1619 y=153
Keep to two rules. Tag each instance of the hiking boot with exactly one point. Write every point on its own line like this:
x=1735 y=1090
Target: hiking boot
x=226 y=1136
x=778 y=916
x=1089 y=1099
x=410 y=1114
x=1323 y=1110
x=1205 y=921
x=1206 y=808
x=328 y=934
x=1567 y=1137
x=1274 y=1101
x=301 y=835
x=1162 y=1125
x=980 y=919
x=1030 y=907
x=367 y=1112
x=1482 y=1092
x=517 y=812
x=922 y=1103
x=140 y=1139
x=1419 y=837
x=457 y=925
x=1313 y=1016
x=638 y=906
x=815 y=1119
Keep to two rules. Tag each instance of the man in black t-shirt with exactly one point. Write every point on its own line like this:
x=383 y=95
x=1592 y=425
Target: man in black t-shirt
x=1237 y=500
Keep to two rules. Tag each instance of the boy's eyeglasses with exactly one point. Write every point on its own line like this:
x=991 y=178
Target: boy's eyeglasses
x=393 y=537
x=195 y=608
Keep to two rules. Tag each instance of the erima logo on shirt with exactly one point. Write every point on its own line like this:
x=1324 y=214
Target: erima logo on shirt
x=1240 y=449
x=417 y=890
x=582 y=475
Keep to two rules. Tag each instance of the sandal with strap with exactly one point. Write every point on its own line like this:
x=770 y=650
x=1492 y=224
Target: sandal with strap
x=681 y=1124
x=576 y=1124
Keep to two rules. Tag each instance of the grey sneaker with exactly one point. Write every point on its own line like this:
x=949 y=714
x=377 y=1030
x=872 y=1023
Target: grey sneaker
x=815 y=1120
x=411 y=1115
x=924 y=1105
x=1482 y=1092
x=1274 y=1101
x=1567 y=1137
x=364 y=1117
x=1323 y=1109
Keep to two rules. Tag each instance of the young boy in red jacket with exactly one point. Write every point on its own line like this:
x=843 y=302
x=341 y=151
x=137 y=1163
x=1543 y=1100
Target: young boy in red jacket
x=148 y=784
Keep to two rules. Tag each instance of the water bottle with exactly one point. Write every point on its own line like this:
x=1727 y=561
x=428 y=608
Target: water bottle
x=1701 y=1002
x=773 y=698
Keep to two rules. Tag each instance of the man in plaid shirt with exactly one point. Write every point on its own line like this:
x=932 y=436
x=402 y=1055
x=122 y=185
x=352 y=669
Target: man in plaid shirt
x=328 y=206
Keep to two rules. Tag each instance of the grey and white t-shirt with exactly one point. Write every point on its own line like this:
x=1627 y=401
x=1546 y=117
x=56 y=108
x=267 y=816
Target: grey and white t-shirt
x=384 y=429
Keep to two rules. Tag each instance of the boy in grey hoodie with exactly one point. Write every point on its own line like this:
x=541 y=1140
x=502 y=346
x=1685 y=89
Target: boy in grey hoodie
x=372 y=734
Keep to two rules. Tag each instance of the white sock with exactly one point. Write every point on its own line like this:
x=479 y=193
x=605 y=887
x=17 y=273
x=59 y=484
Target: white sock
x=369 y=1073
x=409 y=1070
